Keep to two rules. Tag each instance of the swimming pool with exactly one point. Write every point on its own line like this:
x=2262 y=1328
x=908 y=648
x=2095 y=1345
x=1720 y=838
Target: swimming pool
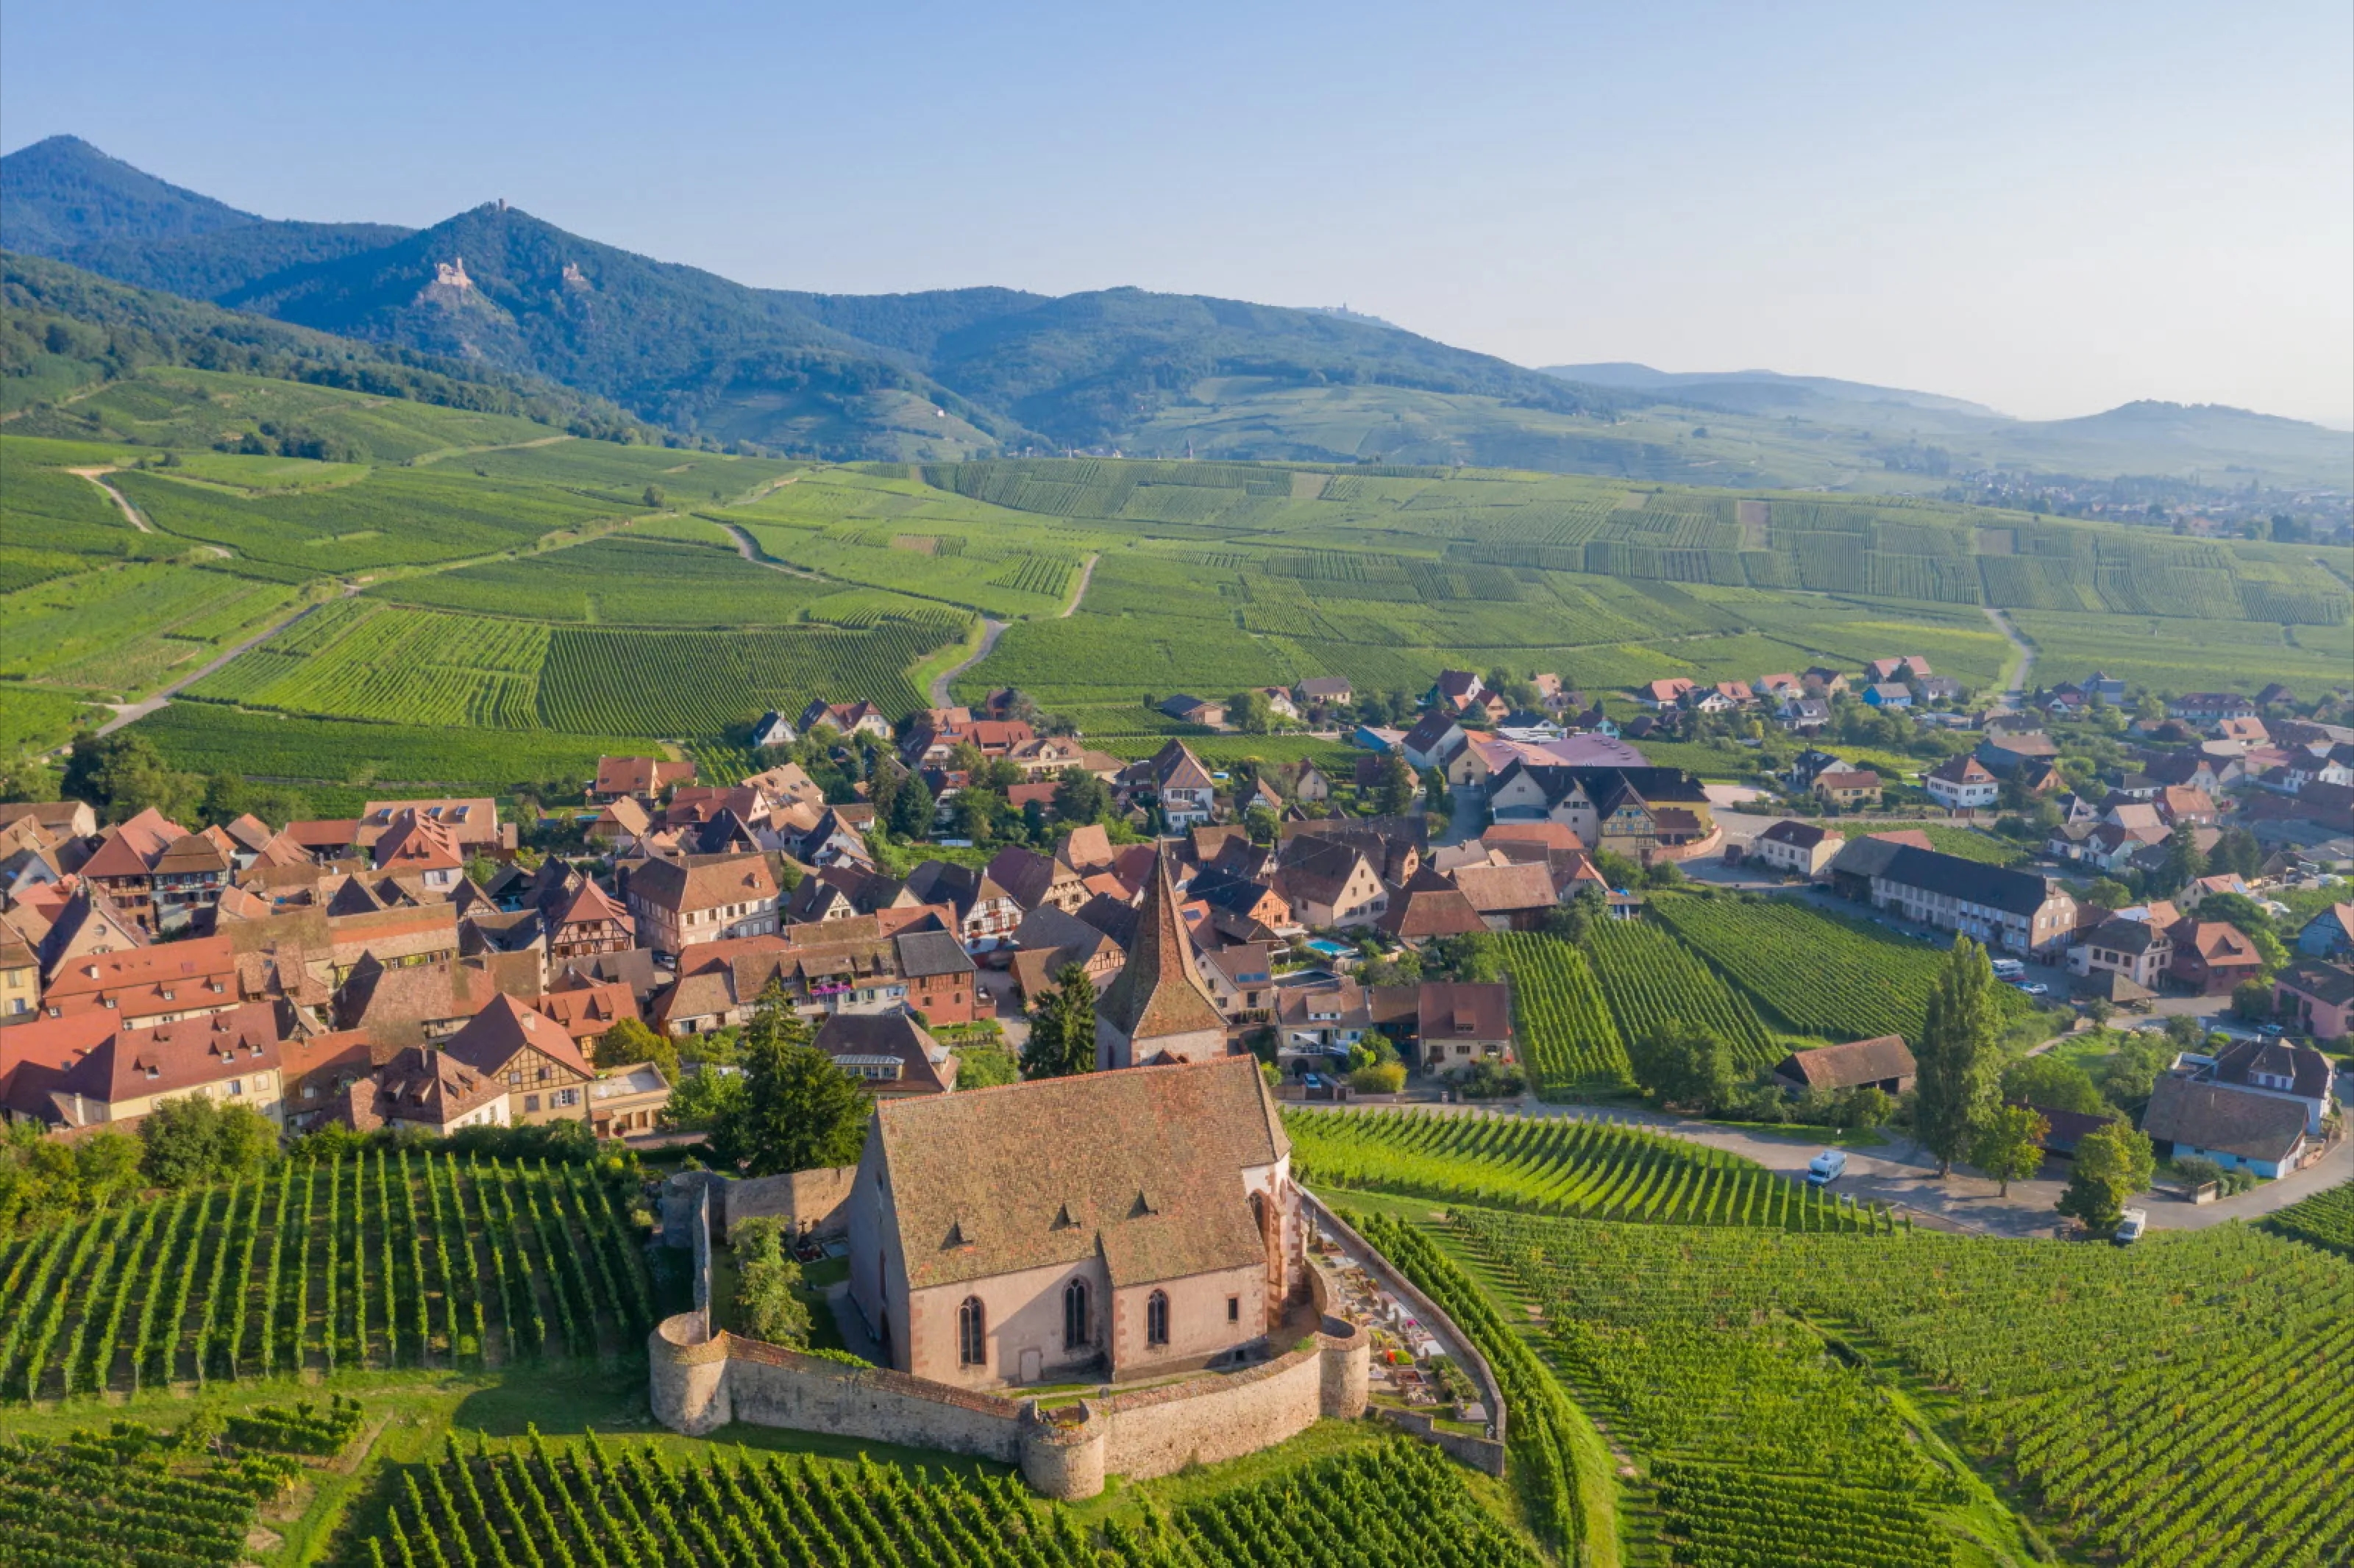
x=1330 y=949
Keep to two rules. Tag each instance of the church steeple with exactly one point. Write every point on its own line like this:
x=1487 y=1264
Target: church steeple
x=1158 y=1001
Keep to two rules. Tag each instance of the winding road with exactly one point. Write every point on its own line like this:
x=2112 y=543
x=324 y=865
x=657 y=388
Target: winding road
x=759 y=557
x=2015 y=695
x=132 y=712
x=129 y=514
x=991 y=628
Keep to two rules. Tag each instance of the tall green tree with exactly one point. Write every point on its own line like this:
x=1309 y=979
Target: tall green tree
x=798 y=1110
x=1394 y=789
x=2010 y=1146
x=912 y=808
x=1080 y=796
x=2111 y=1164
x=1063 y=1028
x=1681 y=1064
x=1957 y=1079
x=196 y=1139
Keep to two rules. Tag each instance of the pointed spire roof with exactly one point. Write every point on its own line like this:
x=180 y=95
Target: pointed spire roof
x=1160 y=992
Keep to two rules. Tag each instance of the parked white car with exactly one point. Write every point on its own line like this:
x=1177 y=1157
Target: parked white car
x=1827 y=1168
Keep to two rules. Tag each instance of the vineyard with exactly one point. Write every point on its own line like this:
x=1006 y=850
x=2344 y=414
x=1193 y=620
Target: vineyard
x=618 y=581
x=1818 y=974
x=2151 y=1425
x=692 y=683
x=1567 y=1041
x=208 y=738
x=536 y=1504
x=2325 y=1220
x=1651 y=978
x=378 y=1261
x=134 y=1497
x=360 y=658
x=1560 y=1165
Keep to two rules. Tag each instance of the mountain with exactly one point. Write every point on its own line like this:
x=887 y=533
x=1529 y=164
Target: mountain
x=69 y=201
x=1762 y=387
x=924 y=375
x=62 y=329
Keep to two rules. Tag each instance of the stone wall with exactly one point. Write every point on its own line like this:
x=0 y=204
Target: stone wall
x=811 y=1202
x=701 y=1382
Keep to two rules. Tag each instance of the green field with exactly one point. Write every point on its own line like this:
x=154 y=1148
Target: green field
x=620 y=581
x=209 y=738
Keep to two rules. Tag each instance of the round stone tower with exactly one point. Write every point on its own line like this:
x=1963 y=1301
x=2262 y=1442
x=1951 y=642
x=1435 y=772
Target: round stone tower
x=1063 y=1452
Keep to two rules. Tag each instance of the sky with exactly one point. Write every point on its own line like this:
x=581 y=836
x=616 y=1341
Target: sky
x=2048 y=209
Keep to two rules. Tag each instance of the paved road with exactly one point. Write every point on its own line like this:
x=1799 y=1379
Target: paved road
x=2023 y=676
x=759 y=557
x=130 y=713
x=991 y=630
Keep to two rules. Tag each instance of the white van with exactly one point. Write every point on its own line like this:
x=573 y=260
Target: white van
x=2010 y=970
x=2130 y=1226
x=1827 y=1168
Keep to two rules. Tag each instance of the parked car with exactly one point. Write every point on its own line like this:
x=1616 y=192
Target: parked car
x=2010 y=970
x=2031 y=987
x=2271 y=1031
x=2130 y=1227
x=1827 y=1168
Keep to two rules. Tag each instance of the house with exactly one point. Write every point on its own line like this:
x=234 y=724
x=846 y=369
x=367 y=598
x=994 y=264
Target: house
x=2013 y=910
x=1513 y=897
x=1084 y=1228
x=471 y=823
x=1800 y=848
x=1175 y=777
x=2137 y=950
x=1666 y=693
x=1883 y=1063
x=1803 y=715
x=2179 y=806
x=678 y=903
x=587 y=921
x=2005 y=754
x=890 y=1054
x=2104 y=686
x=1326 y=692
x=1812 y=764
x=1460 y=1024
x=20 y=974
x=642 y=778
x=986 y=914
x=2211 y=958
x=2235 y=1130
x=1428 y=907
x=1961 y=784
x=774 y=730
x=1457 y=692
x=425 y=1004
x=145 y=987
x=1433 y=741
x=1329 y=884
x=1244 y=909
x=2329 y=934
x=846 y=719
x=1936 y=689
x=627 y=1101
x=1032 y=880
x=1710 y=700
x=1314 y=1022
x=1195 y=710
x=122 y=866
x=1909 y=667
x=61 y=820
x=1779 y=686
x=1241 y=978
x=1048 y=941
x=586 y=1011
x=2207 y=709
x=1158 y=1010
x=82 y=1071
x=1846 y=787
x=2275 y=1067
x=513 y=1043
x=939 y=976
x=1824 y=680
x=1888 y=694
x=2315 y=998
x=418 y=846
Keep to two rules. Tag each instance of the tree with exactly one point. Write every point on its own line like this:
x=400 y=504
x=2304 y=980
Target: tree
x=1260 y=824
x=2131 y=1072
x=912 y=808
x=2252 y=1001
x=985 y=1067
x=768 y=1304
x=1436 y=797
x=1249 y=712
x=654 y=495
x=800 y=1111
x=1080 y=796
x=195 y=1139
x=2109 y=894
x=1956 y=1057
x=1679 y=1063
x=1868 y=1106
x=2184 y=863
x=1571 y=920
x=2112 y=1164
x=1394 y=786
x=705 y=1100
x=124 y=774
x=2053 y=1083
x=2236 y=852
x=631 y=1042
x=1063 y=1028
x=2010 y=1146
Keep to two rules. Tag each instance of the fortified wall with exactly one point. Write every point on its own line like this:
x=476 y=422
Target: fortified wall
x=702 y=1380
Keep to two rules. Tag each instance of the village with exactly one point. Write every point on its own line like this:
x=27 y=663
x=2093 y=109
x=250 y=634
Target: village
x=1177 y=951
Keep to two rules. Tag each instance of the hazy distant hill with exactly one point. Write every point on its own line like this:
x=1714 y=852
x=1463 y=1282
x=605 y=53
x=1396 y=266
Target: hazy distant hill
x=1622 y=373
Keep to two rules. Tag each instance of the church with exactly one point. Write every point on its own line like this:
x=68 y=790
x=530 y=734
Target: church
x=1158 y=1009
x=1096 y=1228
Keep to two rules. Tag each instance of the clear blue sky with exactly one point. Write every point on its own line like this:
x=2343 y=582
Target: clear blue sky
x=2050 y=209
